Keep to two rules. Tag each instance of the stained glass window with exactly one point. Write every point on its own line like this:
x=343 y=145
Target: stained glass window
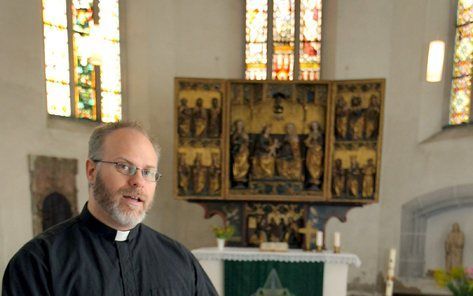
x=310 y=39
x=74 y=66
x=256 y=39
x=460 y=100
x=287 y=33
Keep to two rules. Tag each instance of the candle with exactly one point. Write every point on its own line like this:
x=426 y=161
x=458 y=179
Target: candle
x=390 y=275
x=389 y=288
x=336 y=239
x=320 y=239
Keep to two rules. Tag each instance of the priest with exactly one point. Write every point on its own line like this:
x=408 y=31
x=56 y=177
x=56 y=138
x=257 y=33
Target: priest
x=106 y=250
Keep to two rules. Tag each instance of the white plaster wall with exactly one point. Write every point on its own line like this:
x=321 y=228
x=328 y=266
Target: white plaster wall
x=165 y=39
x=438 y=228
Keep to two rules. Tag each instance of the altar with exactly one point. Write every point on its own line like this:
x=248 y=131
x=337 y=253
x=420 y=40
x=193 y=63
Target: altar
x=237 y=268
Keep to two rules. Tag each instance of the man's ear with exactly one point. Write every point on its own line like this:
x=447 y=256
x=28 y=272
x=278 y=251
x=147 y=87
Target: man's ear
x=90 y=170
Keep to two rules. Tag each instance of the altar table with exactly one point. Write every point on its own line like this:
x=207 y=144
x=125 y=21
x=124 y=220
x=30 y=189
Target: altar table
x=335 y=266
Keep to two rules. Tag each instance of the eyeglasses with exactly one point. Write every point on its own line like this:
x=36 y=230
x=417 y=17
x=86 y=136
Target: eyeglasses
x=151 y=175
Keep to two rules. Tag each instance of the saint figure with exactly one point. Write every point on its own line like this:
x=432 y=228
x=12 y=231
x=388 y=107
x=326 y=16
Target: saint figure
x=240 y=152
x=265 y=152
x=184 y=119
x=200 y=119
x=199 y=175
x=315 y=154
x=214 y=174
x=289 y=163
x=454 y=248
x=353 y=181
x=369 y=171
x=214 y=119
x=355 y=120
x=338 y=178
x=372 y=118
x=341 y=118
x=184 y=174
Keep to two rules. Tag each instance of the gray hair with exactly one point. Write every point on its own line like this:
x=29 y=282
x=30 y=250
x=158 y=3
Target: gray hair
x=101 y=132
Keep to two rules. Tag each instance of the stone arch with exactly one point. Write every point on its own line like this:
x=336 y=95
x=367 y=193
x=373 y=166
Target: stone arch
x=415 y=214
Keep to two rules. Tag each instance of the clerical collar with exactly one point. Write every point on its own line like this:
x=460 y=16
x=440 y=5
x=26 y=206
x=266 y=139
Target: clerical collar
x=94 y=225
x=121 y=236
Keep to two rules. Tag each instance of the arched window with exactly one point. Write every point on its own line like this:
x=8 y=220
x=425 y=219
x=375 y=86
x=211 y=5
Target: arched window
x=82 y=82
x=460 y=99
x=288 y=34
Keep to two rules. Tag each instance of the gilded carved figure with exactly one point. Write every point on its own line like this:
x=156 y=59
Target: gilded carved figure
x=355 y=120
x=315 y=154
x=240 y=152
x=289 y=163
x=184 y=119
x=184 y=174
x=215 y=173
x=372 y=118
x=264 y=154
x=341 y=118
x=200 y=117
x=338 y=178
x=369 y=171
x=215 y=115
x=353 y=181
x=454 y=248
x=199 y=174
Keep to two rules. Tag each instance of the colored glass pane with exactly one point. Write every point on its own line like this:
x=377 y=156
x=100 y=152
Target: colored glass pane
x=111 y=106
x=256 y=39
x=58 y=98
x=54 y=13
x=460 y=100
x=310 y=39
x=84 y=72
x=110 y=71
x=109 y=19
x=283 y=39
x=56 y=57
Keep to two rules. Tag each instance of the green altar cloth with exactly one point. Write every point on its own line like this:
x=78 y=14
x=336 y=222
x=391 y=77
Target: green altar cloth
x=248 y=278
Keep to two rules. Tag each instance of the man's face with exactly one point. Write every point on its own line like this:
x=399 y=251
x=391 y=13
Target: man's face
x=124 y=200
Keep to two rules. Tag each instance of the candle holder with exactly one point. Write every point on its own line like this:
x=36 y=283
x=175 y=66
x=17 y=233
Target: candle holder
x=336 y=249
x=319 y=249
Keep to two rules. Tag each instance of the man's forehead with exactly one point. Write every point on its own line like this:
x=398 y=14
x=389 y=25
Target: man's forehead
x=130 y=141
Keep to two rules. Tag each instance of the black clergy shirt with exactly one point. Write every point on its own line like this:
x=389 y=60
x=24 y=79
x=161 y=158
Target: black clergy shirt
x=81 y=257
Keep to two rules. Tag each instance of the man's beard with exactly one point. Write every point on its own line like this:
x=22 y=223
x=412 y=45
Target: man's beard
x=127 y=218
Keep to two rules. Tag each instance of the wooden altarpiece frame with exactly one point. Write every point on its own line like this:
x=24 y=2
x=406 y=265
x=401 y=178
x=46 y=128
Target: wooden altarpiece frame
x=216 y=119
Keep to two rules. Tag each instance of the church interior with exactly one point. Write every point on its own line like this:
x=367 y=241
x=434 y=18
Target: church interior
x=426 y=163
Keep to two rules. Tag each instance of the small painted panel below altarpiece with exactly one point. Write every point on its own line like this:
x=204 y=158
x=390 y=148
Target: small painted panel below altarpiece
x=273 y=222
x=356 y=140
x=199 y=137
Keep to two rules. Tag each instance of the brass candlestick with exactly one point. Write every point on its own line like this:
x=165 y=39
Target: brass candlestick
x=336 y=249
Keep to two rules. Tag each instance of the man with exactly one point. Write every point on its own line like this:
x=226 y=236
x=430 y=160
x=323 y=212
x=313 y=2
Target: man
x=106 y=250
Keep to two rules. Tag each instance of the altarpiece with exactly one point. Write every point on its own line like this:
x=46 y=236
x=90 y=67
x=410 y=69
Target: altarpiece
x=271 y=156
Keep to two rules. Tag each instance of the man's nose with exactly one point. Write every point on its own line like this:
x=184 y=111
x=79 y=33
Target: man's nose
x=137 y=180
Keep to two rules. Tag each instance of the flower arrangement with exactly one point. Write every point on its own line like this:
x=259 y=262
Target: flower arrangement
x=225 y=232
x=459 y=280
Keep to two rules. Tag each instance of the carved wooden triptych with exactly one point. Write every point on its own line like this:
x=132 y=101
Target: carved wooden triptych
x=292 y=143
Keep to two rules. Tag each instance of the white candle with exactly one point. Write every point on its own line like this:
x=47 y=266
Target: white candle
x=336 y=239
x=389 y=288
x=320 y=239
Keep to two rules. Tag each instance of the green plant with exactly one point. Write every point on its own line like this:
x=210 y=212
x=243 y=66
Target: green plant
x=224 y=232
x=459 y=280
